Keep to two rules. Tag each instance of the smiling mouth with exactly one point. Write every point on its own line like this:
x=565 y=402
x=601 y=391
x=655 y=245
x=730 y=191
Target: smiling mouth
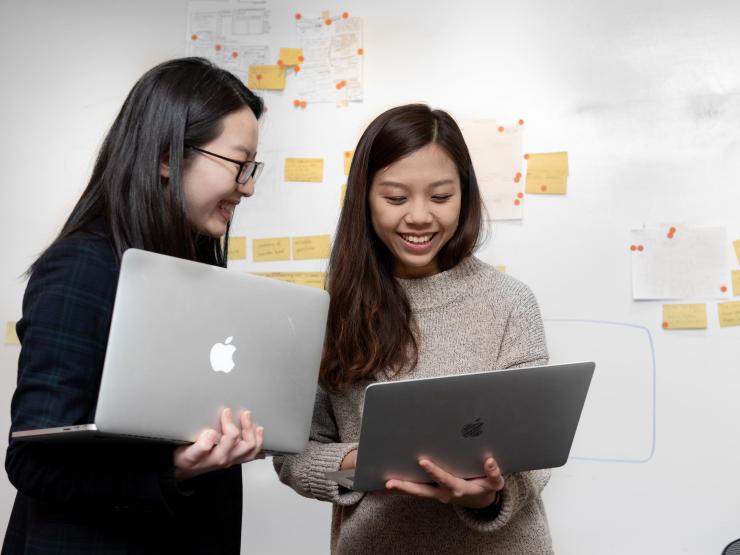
x=227 y=208
x=418 y=239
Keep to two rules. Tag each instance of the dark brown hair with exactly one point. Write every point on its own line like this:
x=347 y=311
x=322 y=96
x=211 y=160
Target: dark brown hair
x=370 y=327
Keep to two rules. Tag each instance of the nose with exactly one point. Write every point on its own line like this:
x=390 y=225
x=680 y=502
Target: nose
x=246 y=189
x=418 y=213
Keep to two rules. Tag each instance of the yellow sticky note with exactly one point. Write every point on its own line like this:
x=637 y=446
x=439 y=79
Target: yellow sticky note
x=736 y=244
x=237 y=248
x=736 y=282
x=310 y=279
x=554 y=164
x=268 y=250
x=311 y=247
x=342 y=194
x=304 y=169
x=291 y=56
x=10 y=336
x=501 y=269
x=541 y=184
x=271 y=78
x=348 y=154
x=729 y=313
x=684 y=316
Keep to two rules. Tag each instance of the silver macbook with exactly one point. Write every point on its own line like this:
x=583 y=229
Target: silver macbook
x=524 y=418
x=188 y=339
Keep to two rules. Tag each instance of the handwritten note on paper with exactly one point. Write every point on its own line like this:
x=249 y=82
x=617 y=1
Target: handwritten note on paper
x=496 y=151
x=348 y=160
x=10 y=336
x=310 y=279
x=269 y=78
x=237 y=248
x=270 y=250
x=311 y=247
x=736 y=244
x=684 y=316
x=729 y=314
x=547 y=173
x=291 y=56
x=678 y=262
x=309 y=170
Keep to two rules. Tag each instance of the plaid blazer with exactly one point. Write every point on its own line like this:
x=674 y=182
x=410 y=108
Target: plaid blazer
x=96 y=498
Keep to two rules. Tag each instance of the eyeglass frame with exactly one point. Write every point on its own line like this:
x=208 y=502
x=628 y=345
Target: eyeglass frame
x=252 y=174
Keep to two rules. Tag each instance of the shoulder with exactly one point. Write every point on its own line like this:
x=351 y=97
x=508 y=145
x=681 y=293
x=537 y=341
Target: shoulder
x=498 y=288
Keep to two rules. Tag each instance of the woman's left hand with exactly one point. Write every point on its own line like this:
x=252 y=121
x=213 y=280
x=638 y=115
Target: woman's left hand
x=476 y=493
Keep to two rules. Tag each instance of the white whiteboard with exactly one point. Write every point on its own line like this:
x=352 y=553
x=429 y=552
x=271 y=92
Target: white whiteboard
x=644 y=97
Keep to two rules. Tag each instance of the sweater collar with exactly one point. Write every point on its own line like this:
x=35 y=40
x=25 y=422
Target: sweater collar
x=442 y=288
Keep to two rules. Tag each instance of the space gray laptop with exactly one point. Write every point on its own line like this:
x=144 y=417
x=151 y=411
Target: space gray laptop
x=524 y=418
x=188 y=339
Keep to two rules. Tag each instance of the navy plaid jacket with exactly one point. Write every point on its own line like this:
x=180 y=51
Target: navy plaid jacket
x=97 y=498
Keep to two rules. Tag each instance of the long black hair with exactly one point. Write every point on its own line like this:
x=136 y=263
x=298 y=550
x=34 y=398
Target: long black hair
x=370 y=328
x=178 y=102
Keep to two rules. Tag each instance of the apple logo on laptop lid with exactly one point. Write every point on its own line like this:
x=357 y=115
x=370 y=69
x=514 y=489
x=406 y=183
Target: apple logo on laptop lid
x=222 y=356
x=472 y=429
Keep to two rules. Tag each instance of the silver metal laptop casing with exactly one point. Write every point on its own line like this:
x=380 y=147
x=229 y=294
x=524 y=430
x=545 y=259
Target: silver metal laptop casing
x=157 y=379
x=529 y=417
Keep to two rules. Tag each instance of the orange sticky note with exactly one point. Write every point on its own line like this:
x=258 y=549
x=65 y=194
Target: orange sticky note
x=309 y=170
x=10 y=336
x=291 y=56
x=237 y=248
x=311 y=247
x=271 y=78
x=269 y=250
x=736 y=282
x=729 y=314
x=348 y=160
x=684 y=316
x=310 y=279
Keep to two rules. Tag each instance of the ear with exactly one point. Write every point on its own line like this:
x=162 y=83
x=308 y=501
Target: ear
x=164 y=168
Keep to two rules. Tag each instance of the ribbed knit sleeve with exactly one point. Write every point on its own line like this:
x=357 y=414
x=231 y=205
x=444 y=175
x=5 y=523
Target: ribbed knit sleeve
x=305 y=471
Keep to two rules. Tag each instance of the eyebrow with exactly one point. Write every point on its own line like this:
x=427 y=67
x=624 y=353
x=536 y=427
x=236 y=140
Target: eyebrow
x=245 y=150
x=432 y=185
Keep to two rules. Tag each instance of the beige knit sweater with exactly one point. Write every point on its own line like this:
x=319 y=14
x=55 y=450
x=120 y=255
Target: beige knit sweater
x=470 y=318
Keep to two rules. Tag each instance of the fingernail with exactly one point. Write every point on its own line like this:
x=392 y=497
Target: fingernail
x=227 y=413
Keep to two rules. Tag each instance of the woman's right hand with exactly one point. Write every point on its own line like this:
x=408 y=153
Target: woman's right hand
x=217 y=450
x=349 y=461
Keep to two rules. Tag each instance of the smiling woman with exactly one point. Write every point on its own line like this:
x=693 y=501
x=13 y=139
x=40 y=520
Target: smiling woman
x=408 y=300
x=174 y=165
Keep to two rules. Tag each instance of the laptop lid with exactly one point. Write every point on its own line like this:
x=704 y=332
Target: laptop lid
x=188 y=339
x=525 y=418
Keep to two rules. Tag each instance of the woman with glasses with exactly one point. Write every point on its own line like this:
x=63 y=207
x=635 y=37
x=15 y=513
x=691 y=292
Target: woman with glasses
x=178 y=159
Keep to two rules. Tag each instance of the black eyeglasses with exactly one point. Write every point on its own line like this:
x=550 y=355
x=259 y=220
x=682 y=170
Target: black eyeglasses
x=247 y=170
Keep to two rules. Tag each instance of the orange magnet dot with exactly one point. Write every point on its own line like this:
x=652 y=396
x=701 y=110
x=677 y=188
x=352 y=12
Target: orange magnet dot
x=280 y=62
x=521 y=122
x=501 y=129
x=517 y=202
x=348 y=155
x=259 y=77
x=304 y=103
x=520 y=195
x=235 y=55
x=723 y=289
x=296 y=69
x=360 y=51
x=218 y=47
x=301 y=58
x=640 y=248
x=669 y=235
x=345 y=15
x=327 y=21
x=298 y=16
x=543 y=188
x=633 y=248
x=526 y=156
x=194 y=37
x=296 y=103
x=665 y=325
x=518 y=177
x=672 y=230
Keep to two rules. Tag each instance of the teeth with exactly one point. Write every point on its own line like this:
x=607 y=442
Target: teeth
x=417 y=240
x=228 y=207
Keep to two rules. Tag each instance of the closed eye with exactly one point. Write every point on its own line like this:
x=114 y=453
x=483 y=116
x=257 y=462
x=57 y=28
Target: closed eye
x=395 y=200
x=441 y=198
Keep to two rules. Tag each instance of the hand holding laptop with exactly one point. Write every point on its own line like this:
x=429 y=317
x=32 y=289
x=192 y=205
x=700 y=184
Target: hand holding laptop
x=214 y=450
x=473 y=493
